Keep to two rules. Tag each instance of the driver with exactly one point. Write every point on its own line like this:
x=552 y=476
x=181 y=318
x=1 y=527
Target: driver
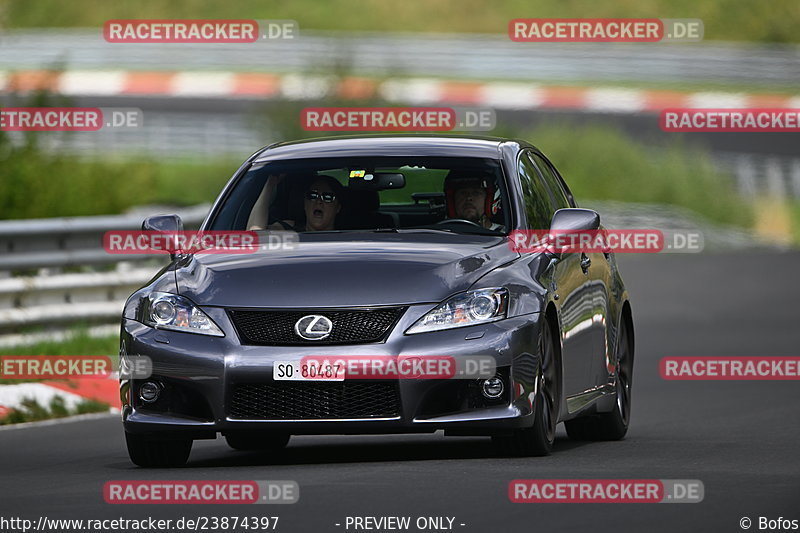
x=473 y=199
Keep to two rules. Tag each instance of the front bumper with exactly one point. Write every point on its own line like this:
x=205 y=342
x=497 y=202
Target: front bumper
x=201 y=373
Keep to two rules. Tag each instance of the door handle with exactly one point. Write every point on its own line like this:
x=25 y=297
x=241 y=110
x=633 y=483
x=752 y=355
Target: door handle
x=586 y=262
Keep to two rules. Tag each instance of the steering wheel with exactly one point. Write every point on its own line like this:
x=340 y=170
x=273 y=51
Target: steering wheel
x=460 y=220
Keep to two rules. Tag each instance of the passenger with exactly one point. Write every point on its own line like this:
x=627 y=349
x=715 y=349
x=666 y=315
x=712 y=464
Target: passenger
x=321 y=204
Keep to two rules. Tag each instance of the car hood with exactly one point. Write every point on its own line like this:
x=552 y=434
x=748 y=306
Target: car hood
x=322 y=271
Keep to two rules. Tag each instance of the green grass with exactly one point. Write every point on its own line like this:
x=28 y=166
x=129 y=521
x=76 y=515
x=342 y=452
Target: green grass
x=795 y=214
x=601 y=163
x=79 y=344
x=35 y=184
x=736 y=20
x=39 y=183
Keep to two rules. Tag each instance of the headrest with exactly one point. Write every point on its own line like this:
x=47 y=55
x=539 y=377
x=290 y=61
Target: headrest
x=363 y=200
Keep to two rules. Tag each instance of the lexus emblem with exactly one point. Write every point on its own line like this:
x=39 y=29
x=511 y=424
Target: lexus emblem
x=313 y=327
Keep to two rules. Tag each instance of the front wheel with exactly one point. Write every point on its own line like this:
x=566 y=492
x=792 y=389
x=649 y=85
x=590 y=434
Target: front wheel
x=538 y=440
x=151 y=452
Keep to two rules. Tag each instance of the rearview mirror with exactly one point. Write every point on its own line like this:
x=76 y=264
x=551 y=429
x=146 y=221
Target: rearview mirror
x=378 y=181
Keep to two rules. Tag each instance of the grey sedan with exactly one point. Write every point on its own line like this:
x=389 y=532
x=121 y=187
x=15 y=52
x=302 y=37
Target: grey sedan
x=388 y=249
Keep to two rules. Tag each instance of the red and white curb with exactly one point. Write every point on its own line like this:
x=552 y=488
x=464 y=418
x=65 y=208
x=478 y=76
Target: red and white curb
x=72 y=392
x=12 y=396
x=499 y=95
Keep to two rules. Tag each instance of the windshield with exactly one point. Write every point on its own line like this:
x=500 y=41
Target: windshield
x=457 y=195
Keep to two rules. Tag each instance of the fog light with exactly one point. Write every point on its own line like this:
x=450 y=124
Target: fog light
x=492 y=388
x=149 y=391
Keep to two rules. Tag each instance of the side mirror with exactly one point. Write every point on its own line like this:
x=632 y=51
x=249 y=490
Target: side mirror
x=165 y=223
x=571 y=220
x=575 y=219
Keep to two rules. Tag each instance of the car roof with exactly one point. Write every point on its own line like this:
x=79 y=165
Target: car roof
x=425 y=145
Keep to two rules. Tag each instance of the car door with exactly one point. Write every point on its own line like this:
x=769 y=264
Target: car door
x=598 y=277
x=566 y=281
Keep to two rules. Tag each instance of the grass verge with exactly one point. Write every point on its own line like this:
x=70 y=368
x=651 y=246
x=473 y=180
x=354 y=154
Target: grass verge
x=601 y=163
x=734 y=20
x=35 y=184
x=79 y=344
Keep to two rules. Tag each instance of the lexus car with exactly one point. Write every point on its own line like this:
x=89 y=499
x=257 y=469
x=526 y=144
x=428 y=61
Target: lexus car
x=388 y=247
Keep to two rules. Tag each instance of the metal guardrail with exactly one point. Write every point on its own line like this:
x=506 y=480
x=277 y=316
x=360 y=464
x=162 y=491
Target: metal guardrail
x=61 y=299
x=54 y=299
x=762 y=175
x=69 y=242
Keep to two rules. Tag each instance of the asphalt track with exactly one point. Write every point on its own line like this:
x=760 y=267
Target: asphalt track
x=739 y=438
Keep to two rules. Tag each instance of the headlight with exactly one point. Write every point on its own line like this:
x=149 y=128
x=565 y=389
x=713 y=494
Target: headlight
x=169 y=311
x=466 y=309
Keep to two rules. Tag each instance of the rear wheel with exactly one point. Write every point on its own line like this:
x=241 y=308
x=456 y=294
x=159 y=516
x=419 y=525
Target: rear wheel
x=257 y=441
x=538 y=439
x=151 y=452
x=612 y=425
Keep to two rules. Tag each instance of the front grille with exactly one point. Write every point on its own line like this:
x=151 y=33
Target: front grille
x=303 y=400
x=351 y=326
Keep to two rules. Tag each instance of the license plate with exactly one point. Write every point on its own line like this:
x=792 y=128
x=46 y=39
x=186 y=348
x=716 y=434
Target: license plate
x=310 y=371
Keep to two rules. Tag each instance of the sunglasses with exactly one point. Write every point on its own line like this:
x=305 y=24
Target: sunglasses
x=327 y=197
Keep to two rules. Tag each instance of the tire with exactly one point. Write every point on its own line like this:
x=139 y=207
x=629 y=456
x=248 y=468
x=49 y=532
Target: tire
x=257 y=441
x=149 y=452
x=537 y=440
x=614 y=424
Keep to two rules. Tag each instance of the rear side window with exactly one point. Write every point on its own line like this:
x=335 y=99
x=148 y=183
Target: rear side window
x=538 y=206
